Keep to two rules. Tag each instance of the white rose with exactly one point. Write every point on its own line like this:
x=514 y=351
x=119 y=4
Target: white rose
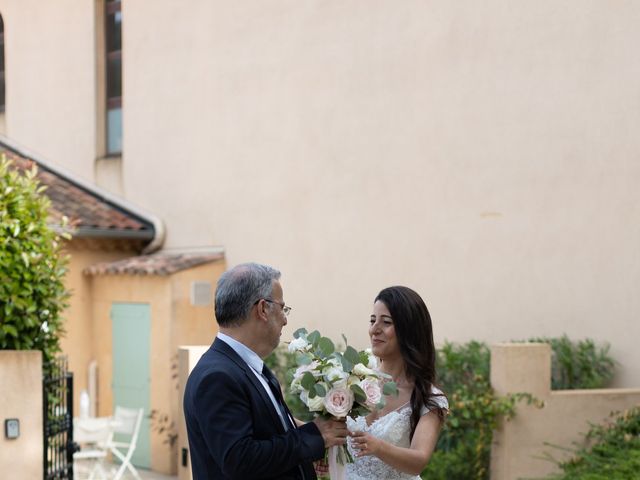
x=353 y=380
x=298 y=344
x=373 y=361
x=300 y=371
x=334 y=374
x=315 y=404
x=361 y=370
x=296 y=384
x=338 y=401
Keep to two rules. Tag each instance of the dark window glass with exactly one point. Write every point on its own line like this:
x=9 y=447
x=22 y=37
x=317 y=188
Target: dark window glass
x=1 y=64
x=114 y=74
x=113 y=30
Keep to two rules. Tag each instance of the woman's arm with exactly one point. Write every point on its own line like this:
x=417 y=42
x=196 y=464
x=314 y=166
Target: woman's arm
x=410 y=460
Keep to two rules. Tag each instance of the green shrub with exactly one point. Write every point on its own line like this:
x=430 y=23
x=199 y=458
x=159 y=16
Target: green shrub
x=32 y=293
x=579 y=364
x=609 y=452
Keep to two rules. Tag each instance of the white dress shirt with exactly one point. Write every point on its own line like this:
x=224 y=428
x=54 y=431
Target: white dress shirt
x=254 y=361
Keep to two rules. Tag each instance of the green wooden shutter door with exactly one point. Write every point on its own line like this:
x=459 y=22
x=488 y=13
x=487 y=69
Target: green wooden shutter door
x=131 y=328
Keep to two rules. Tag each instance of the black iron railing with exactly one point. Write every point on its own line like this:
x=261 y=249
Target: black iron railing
x=57 y=394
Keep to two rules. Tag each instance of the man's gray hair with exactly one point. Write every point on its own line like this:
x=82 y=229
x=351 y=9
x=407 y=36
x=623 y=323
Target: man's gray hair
x=240 y=288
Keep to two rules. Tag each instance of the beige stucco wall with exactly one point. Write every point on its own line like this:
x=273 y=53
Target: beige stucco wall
x=50 y=73
x=77 y=343
x=520 y=445
x=156 y=292
x=174 y=322
x=21 y=398
x=484 y=154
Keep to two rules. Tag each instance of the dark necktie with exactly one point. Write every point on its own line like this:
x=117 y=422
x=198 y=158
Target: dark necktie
x=286 y=414
x=277 y=393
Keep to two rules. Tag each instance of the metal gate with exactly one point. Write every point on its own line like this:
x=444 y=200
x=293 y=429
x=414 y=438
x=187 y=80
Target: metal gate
x=57 y=395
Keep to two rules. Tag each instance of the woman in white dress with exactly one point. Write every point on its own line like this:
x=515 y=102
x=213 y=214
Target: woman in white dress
x=397 y=441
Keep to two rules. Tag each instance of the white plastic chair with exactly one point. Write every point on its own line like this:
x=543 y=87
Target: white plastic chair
x=126 y=421
x=93 y=434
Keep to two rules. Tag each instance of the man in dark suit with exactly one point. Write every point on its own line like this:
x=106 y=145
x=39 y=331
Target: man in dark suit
x=237 y=422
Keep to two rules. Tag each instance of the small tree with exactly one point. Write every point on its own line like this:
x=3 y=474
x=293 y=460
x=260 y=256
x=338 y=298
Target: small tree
x=32 y=266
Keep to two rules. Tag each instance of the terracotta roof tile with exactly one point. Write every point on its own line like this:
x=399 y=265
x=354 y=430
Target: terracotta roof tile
x=156 y=264
x=88 y=212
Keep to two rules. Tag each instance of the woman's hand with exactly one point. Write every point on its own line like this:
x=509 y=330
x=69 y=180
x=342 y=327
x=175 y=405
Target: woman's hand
x=321 y=467
x=365 y=444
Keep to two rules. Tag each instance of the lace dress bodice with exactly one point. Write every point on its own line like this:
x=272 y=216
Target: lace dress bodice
x=393 y=428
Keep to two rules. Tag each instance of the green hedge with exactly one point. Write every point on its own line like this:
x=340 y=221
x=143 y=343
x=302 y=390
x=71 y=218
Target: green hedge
x=581 y=364
x=32 y=292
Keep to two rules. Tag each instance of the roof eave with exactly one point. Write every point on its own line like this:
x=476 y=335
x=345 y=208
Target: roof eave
x=157 y=236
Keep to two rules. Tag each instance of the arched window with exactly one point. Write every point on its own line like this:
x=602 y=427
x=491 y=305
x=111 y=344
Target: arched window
x=113 y=29
x=1 y=64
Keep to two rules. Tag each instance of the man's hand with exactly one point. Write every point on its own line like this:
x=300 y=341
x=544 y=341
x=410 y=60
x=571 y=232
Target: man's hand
x=334 y=431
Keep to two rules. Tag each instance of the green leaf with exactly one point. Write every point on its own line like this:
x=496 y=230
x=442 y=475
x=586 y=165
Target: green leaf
x=320 y=390
x=351 y=354
x=308 y=381
x=347 y=366
x=303 y=358
x=326 y=347
x=313 y=338
x=10 y=330
x=358 y=393
x=301 y=332
x=390 y=388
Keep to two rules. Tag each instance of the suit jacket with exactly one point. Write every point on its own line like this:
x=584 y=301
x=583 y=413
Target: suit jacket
x=233 y=428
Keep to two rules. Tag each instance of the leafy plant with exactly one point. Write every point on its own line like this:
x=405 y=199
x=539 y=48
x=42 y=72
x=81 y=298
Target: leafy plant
x=32 y=267
x=610 y=451
x=464 y=446
x=580 y=364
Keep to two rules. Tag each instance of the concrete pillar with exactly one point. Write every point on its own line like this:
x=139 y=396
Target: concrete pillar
x=21 y=398
x=516 y=367
x=521 y=367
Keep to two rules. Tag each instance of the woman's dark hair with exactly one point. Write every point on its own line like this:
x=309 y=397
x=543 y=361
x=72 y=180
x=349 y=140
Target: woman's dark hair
x=412 y=324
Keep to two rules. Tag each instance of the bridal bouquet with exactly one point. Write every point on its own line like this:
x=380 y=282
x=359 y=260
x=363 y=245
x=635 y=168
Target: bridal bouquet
x=336 y=383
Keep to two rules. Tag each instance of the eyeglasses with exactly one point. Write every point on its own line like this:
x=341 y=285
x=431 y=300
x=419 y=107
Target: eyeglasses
x=285 y=308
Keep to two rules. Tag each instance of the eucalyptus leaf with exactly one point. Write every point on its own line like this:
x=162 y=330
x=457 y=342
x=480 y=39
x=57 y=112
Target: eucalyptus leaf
x=308 y=381
x=326 y=347
x=358 y=393
x=352 y=355
x=390 y=388
x=313 y=338
x=301 y=332
x=320 y=390
x=303 y=358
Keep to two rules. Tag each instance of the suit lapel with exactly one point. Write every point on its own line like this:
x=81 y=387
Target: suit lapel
x=223 y=348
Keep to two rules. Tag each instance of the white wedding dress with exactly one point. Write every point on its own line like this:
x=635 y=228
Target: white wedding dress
x=393 y=428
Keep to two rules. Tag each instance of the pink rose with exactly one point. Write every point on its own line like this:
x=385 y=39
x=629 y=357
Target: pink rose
x=338 y=401
x=373 y=391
